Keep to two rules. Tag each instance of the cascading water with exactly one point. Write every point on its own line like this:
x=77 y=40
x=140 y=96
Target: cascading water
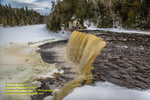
x=82 y=49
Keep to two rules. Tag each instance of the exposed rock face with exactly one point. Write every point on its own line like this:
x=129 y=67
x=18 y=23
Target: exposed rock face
x=124 y=61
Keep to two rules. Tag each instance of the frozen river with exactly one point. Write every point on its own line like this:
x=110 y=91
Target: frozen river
x=30 y=33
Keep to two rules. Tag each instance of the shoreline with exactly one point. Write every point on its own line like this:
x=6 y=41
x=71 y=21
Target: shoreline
x=124 y=61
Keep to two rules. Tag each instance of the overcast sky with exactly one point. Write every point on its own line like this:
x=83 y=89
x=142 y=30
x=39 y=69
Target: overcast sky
x=42 y=6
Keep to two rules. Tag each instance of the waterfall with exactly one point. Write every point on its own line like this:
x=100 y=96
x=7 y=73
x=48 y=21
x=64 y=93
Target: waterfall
x=82 y=49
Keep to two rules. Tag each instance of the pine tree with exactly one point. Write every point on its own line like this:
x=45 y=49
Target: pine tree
x=15 y=16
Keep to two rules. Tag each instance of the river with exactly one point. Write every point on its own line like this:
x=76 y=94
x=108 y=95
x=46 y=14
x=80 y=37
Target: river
x=99 y=91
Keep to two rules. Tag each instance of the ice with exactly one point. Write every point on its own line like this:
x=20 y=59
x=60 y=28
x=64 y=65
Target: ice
x=29 y=33
x=107 y=91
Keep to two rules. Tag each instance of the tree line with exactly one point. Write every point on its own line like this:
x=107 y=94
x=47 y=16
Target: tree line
x=132 y=14
x=19 y=16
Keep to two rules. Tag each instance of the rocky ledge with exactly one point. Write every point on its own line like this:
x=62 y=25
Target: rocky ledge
x=124 y=61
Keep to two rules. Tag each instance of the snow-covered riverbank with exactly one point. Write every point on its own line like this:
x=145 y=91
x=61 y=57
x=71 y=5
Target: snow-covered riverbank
x=121 y=30
x=107 y=91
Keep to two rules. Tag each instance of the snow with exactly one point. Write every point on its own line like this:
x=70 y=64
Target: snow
x=37 y=33
x=119 y=30
x=107 y=91
x=30 y=33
